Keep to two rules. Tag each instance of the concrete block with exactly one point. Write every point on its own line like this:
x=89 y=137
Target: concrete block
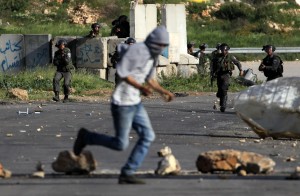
x=186 y=70
x=111 y=74
x=174 y=18
x=173 y=49
x=167 y=70
x=143 y=19
x=186 y=59
x=89 y=53
x=12 y=52
x=37 y=50
x=111 y=47
x=163 y=61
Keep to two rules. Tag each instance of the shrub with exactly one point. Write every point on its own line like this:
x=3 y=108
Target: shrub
x=13 y=5
x=232 y=11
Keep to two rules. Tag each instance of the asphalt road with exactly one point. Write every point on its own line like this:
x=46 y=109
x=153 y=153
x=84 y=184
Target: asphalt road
x=189 y=125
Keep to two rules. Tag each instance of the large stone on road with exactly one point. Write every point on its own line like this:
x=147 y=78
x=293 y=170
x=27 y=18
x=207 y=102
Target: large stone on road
x=4 y=173
x=272 y=109
x=234 y=161
x=69 y=163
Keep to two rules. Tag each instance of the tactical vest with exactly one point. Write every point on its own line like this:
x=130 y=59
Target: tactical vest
x=225 y=63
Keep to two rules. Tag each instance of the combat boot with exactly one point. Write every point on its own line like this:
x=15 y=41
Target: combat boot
x=56 y=96
x=66 y=99
x=223 y=101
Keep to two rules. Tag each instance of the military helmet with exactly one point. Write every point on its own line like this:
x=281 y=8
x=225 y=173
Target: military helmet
x=60 y=42
x=203 y=46
x=94 y=25
x=267 y=47
x=130 y=40
x=224 y=47
x=190 y=44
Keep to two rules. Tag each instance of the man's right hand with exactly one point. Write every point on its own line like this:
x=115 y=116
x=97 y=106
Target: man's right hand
x=261 y=67
x=146 y=90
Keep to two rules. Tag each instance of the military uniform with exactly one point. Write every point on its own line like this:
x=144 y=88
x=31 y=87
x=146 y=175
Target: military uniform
x=63 y=62
x=224 y=67
x=272 y=64
x=203 y=65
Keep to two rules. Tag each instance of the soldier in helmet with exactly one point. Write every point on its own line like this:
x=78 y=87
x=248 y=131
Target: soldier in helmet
x=121 y=27
x=95 y=32
x=63 y=62
x=225 y=64
x=271 y=64
x=116 y=56
x=203 y=65
x=190 y=48
x=213 y=63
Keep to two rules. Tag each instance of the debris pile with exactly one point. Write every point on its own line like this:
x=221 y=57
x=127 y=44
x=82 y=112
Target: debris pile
x=82 y=14
x=240 y=162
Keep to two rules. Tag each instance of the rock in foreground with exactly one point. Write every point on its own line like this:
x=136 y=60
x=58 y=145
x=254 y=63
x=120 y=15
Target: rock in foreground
x=234 y=161
x=272 y=109
x=69 y=163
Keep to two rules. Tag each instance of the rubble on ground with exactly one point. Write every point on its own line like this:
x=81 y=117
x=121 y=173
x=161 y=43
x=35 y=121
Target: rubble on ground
x=4 y=173
x=229 y=160
x=18 y=93
x=67 y=162
x=168 y=165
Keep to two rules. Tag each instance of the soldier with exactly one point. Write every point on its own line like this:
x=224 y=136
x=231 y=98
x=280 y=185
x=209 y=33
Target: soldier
x=95 y=32
x=225 y=66
x=202 y=67
x=63 y=62
x=272 y=65
x=121 y=27
x=190 y=48
x=116 y=57
x=213 y=63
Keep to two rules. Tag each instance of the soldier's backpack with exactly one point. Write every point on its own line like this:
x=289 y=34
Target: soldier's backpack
x=280 y=67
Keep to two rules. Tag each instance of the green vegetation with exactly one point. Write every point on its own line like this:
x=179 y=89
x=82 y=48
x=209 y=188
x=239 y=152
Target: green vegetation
x=38 y=83
x=244 y=24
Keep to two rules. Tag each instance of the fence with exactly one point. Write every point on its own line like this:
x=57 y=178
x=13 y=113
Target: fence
x=258 y=50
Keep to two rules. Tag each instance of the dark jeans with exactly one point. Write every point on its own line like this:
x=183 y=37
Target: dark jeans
x=67 y=81
x=223 y=82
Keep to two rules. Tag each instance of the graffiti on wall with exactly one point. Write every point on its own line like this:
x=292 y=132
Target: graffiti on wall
x=11 y=54
x=89 y=54
x=37 y=50
x=38 y=58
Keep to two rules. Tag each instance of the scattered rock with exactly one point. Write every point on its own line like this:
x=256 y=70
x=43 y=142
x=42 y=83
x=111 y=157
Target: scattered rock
x=38 y=174
x=4 y=173
x=69 y=163
x=295 y=175
x=82 y=14
x=233 y=160
x=18 y=93
x=290 y=159
x=168 y=164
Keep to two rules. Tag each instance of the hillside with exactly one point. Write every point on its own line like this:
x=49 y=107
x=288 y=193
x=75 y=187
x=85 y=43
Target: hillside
x=249 y=23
